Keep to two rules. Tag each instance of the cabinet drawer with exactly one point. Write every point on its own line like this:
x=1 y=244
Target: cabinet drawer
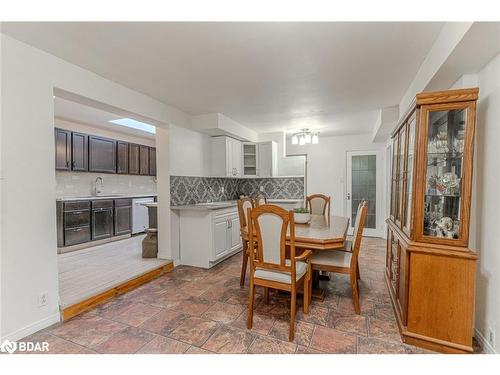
x=123 y=202
x=102 y=204
x=77 y=205
x=74 y=236
x=76 y=218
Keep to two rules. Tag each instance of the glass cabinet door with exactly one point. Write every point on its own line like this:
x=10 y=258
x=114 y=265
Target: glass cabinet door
x=446 y=136
x=394 y=176
x=409 y=174
x=401 y=172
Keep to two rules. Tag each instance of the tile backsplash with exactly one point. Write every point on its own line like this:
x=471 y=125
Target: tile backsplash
x=72 y=184
x=191 y=190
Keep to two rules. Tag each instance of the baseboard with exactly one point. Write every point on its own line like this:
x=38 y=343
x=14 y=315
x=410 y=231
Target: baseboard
x=484 y=343
x=32 y=328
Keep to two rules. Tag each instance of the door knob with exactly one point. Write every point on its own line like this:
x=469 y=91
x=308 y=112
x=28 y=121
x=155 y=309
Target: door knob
x=348 y=196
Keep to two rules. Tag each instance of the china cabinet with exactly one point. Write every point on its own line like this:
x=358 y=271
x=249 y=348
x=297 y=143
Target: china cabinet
x=430 y=271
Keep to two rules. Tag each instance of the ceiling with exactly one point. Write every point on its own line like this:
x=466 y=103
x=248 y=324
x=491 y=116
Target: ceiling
x=267 y=76
x=83 y=114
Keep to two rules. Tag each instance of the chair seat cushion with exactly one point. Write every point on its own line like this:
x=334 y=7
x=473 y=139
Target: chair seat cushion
x=347 y=246
x=281 y=276
x=332 y=258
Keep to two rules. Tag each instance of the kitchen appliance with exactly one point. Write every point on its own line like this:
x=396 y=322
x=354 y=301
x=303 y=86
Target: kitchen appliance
x=140 y=217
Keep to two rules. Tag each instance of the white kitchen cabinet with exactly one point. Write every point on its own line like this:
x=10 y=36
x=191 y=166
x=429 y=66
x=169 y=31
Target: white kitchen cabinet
x=250 y=159
x=267 y=159
x=208 y=236
x=226 y=157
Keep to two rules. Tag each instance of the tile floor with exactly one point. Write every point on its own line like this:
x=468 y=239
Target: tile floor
x=192 y=310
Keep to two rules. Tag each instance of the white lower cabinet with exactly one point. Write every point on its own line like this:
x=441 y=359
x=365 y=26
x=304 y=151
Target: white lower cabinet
x=208 y=236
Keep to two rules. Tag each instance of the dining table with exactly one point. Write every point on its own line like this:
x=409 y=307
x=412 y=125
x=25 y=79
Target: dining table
x=321 y=233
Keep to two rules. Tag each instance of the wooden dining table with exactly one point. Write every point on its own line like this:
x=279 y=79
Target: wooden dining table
x=320 y=234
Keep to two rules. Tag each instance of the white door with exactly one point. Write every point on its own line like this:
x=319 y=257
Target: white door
x=220 y=237
x=235 y=232
x=363 y=182
x=237 y=162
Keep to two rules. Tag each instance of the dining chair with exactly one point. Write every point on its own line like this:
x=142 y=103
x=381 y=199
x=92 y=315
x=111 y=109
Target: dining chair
x=269 y=266
x=259 y=200
x=318 y=204
x=343 y=261
x=243 y=205
x=348 y=243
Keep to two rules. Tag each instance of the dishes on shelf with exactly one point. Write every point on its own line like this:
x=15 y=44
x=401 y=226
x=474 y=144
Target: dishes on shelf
x=447 y=185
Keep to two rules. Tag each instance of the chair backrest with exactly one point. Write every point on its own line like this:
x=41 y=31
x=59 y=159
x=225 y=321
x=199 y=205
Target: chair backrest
x=318 y=204
x=260 y=200
x=270 y=224
x=358 y=229
x=243 y=205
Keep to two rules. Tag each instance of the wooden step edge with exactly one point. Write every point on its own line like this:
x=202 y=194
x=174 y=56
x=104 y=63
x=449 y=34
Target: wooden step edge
x=124 y=287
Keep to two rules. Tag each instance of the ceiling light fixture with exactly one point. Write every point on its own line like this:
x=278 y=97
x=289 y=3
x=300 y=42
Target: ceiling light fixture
x=305 y=136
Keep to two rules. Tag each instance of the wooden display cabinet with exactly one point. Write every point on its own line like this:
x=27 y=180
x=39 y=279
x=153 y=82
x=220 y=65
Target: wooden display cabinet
x=430 y=271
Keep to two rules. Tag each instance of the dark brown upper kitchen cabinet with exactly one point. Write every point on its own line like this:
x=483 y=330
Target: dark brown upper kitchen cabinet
x=152 y=161
x=144 y=160
x=122 y=157
x=63 y=149
x=133 y=158
x=80 y=152
x=102 y=154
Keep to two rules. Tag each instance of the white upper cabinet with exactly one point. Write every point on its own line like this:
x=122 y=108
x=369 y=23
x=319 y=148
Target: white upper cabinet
x=267 y=159
x=226 y=157
x=250 y=160
x=232 y=158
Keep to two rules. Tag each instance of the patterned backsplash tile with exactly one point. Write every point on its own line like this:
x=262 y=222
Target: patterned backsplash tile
x=191 y=190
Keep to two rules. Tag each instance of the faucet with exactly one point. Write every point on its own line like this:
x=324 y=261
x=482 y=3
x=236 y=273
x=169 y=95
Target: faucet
x=98 y=189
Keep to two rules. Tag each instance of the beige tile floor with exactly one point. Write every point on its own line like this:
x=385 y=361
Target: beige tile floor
x=192 y=310
x=85 y=273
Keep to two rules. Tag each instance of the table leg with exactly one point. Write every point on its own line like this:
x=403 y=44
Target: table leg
x=317 y=292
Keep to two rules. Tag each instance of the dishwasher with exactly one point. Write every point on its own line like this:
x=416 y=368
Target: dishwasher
x=140 y=217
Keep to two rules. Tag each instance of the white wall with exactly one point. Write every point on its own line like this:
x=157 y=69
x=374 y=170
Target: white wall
x=189 y=152
x=287 y=165
x=326 y=169
x=447 y=40
x=28 y=242
x=485 y=215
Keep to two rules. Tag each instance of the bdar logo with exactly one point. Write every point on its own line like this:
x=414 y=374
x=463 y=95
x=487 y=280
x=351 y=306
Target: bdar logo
x=8 y=347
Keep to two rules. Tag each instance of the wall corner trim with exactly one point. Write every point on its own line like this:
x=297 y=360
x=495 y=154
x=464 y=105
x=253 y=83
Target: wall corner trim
x=487 y=348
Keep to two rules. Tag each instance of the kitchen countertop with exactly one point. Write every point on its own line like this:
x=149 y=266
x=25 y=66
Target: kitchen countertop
x=111 y=196
x=225 y=204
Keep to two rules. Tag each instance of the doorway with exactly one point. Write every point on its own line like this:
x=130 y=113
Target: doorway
x=363 y=183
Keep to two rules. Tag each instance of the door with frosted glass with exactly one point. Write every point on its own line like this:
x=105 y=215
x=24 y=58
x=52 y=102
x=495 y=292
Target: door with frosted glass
x=362 y=186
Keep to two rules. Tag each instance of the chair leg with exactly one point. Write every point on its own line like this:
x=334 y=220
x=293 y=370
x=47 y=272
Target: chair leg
x=307 y=296
x=293 y=307
x=355 y=293
x=244 y=264
x=357 y=271
x=266 y=295
x=250 y=306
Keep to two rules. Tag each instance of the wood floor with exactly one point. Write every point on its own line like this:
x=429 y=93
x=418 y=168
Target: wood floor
x=86 y=273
